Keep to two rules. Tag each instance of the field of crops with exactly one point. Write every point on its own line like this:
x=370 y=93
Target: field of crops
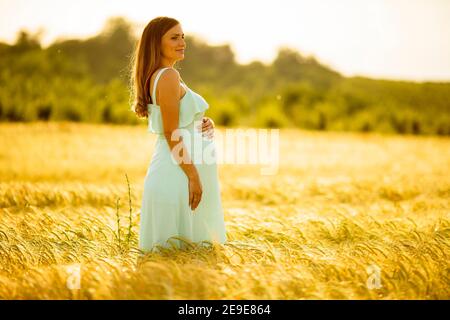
x=347 y=216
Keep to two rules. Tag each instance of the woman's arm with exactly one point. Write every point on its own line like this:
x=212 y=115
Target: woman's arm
x=169 y=101
x=168 y=97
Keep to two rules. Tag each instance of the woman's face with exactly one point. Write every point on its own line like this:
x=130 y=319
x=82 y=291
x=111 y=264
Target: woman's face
x=173 y=44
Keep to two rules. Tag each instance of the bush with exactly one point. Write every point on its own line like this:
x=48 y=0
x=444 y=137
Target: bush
x=271 y=116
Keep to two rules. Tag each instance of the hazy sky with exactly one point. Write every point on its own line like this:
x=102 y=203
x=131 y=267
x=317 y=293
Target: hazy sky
x=396 y=39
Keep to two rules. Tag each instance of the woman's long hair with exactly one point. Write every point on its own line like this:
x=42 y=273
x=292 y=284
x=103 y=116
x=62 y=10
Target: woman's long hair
x=145 y=60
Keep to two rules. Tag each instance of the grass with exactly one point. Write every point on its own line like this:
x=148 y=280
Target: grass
x=341 y=206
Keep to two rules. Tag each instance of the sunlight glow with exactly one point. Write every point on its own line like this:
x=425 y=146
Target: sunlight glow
x=396 y=39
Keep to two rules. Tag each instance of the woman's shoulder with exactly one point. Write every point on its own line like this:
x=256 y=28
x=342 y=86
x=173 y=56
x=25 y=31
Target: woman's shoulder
x=169 y=77
x=168 y=73
x=166 y=76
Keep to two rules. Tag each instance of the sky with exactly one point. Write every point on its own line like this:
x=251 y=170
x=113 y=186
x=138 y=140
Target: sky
x=388 y=39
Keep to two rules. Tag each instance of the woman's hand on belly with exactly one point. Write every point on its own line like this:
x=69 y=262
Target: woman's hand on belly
x=207 y=127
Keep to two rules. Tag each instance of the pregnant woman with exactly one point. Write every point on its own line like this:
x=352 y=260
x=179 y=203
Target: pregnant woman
x=181 y=198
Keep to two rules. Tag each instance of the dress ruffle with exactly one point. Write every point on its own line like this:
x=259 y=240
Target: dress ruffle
x=191 y=105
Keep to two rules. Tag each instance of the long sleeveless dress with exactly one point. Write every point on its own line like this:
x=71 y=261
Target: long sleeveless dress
x=165 y=212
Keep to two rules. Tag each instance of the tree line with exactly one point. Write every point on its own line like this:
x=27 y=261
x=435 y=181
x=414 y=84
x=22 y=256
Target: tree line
x=88 y=80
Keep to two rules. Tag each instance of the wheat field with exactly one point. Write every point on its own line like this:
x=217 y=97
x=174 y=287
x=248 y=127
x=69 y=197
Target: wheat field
x=348 y=216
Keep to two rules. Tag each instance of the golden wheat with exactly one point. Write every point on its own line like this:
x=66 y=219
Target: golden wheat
x=340 y=205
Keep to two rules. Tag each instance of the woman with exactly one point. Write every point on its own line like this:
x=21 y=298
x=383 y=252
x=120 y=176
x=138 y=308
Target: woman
x=181 y=198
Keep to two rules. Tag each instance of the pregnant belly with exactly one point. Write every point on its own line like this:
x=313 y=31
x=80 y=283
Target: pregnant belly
x=202 y=150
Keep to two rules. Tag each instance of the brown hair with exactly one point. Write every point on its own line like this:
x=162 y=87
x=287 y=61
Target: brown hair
x=145 y=60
